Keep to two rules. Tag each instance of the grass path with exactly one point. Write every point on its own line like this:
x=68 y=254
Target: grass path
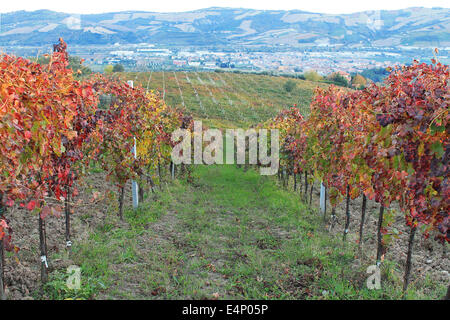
x=228 y=235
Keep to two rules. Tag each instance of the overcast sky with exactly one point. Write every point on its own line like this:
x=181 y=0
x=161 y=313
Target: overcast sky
x=323 y=6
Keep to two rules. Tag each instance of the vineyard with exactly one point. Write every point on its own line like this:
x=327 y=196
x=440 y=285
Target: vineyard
x=389 y=144
x=223 y=99
x=53 y=127
x=72 y=148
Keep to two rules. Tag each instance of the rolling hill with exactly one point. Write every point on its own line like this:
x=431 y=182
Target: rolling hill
x=231 y=27
x=226 y=99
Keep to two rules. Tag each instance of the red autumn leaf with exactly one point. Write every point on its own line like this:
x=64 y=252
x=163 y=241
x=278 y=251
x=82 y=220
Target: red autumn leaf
x=31 y=205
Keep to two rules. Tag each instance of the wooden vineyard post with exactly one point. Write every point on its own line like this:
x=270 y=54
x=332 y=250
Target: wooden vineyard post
x=67 y=215
x=247 y=155
x=152 y=184
x=301 y=184
x=380 y=248
x=306 y=186
x=2 y=272
x=134 y=185
x=140 y=193
x=347 y=214
x=412 y=233
x=43 y=250
x=159 y=174
x=121 y=199
x=363 y=218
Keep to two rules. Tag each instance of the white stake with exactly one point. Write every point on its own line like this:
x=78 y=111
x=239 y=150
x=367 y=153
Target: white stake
x=173 y=171
x=322 y=198
x=134 y=185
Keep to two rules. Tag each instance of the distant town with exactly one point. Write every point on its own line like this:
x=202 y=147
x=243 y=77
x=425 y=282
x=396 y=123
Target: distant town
x=280 y=60
x=322 y=60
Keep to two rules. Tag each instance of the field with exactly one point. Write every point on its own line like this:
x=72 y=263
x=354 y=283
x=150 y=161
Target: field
x=226 y=100
x=220 y=232
x=233 y=234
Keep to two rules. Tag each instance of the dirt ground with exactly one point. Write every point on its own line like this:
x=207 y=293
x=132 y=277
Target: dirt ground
x=430 y=258
x=22 y=270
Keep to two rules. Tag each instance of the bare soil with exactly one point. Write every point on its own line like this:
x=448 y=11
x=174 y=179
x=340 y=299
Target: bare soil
x=22 y=270
x=430 y=258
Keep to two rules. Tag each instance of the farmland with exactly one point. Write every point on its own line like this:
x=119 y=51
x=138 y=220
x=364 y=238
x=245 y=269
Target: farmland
x=226 y=99
x=208 y=232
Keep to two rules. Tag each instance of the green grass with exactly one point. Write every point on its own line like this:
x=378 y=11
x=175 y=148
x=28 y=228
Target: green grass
x=230 y=234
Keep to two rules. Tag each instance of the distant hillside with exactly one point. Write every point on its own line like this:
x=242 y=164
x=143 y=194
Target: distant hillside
x=226 y=26
x=226 y=99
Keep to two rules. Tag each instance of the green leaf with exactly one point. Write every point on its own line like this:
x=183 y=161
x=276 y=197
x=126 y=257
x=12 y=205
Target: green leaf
x=397 y=162
x=410 y=169
x=437 y=149
x=387 y=142
x=435 y=128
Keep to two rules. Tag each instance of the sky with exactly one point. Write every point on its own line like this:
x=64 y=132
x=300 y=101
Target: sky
x=322 y=6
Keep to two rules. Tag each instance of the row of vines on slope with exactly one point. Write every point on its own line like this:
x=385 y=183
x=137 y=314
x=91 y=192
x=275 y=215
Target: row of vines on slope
x=387 y=143
x=53 y=126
